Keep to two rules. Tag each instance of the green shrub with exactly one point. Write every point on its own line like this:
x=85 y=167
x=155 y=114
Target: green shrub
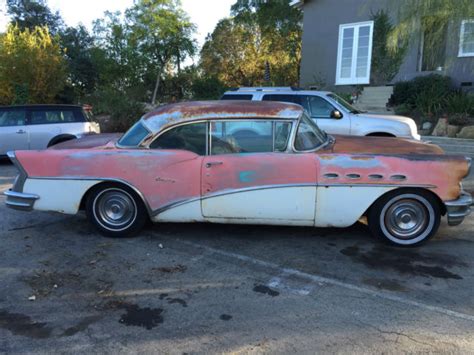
x=459 y=103
x=123 y=110
x=403 y=110
x=408 y=92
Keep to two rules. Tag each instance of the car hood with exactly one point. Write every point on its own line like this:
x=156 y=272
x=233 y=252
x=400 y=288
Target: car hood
x=381 y=145
x=385 y=117
x=90 y=141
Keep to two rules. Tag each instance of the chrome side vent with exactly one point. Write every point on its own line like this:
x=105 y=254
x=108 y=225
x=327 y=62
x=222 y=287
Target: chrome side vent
x=353 y=176
x=375 y=177
x=398 y=177
x=331 y=176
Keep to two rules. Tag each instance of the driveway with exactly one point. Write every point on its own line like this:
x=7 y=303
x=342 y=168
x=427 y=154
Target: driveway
x=201 y=288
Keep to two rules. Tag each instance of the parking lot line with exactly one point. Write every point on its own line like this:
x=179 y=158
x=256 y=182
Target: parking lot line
x=330 y=281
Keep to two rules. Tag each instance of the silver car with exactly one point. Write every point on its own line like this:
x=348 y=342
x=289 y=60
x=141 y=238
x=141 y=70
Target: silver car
x=332 y=114
x=26 y=127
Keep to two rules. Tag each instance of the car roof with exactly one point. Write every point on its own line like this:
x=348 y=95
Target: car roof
x=169 y=115
x=275 y=91
x=41 y=106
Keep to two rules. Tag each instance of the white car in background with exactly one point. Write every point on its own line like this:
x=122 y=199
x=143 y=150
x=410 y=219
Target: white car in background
x=332 y=113
x=25 y=127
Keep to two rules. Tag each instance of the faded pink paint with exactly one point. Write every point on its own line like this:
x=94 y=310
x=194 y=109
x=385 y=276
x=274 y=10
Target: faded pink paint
x=163 y=177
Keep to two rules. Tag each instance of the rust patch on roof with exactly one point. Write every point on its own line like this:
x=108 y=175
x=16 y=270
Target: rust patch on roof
x=168 y=115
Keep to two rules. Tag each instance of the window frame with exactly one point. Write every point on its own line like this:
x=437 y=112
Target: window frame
x=293 y=124
x=177 y=126
x=461 y=53
x=353 y=80
x=77 y=114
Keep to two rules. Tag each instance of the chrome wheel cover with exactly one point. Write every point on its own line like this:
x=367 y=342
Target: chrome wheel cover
x=407 y=219
x=115 y=209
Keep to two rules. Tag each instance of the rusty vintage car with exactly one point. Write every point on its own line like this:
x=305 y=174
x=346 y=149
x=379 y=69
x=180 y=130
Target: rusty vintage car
x=245 y=162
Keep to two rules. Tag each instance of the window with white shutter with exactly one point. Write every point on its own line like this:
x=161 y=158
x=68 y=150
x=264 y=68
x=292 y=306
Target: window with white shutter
x=354 y=53
x=466 y=39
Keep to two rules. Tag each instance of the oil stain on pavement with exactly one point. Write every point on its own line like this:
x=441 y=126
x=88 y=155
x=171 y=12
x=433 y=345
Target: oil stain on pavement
x=265 y=290
x=147 y=318
x=20 y=324
x=405 y=262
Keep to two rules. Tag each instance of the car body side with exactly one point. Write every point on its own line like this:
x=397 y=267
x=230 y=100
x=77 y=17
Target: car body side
x=327 y=187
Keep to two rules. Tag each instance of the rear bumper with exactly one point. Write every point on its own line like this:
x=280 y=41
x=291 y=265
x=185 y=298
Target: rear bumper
x=20 y=201
x=457 y=210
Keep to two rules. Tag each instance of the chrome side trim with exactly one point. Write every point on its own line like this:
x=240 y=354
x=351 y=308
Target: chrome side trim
x=20 y=201
x=266 y=187
x=458 y=209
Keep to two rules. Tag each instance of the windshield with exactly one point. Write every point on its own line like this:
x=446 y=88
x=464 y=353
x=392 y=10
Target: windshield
x=344 y=103
x=134 y=136
x=308 y=135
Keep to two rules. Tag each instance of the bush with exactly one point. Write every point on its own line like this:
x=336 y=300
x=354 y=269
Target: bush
x=123 y=110
x=459 y=103
x=403 y=110
x=406 y=92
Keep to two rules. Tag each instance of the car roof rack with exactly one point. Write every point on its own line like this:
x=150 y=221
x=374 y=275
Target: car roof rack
x=268 y=88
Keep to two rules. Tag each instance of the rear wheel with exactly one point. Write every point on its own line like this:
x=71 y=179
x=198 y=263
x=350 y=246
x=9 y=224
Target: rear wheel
x=405 y=218
x=116 y=210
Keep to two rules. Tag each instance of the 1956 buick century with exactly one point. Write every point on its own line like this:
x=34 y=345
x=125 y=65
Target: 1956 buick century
x=245 y=162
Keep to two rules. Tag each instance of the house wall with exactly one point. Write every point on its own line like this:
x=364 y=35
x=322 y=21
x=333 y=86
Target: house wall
x=321 y=22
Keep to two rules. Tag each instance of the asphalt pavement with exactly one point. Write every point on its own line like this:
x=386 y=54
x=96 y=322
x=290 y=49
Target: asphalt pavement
x=200 y=288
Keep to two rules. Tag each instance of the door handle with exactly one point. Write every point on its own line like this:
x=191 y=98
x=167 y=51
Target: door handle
x=20 y=131
x=211 y=163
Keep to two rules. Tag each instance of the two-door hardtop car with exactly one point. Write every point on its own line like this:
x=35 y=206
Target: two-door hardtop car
x=197 y=162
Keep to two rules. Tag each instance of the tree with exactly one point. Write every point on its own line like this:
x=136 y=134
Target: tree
x=430 y=15
x=33 y=13
x=78 y=47
x=163 y=34
x=32 y=66
x=261 y=32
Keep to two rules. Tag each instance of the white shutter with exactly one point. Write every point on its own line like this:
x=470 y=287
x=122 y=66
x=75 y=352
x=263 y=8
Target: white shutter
x=354 y=53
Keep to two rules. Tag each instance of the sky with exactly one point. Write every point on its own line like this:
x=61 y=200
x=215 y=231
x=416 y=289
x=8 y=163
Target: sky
x=204 y=13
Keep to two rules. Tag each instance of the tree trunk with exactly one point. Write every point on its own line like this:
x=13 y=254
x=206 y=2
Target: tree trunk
x=157 y=85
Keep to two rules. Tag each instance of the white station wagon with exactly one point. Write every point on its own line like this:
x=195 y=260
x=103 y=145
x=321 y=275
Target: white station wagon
x=25 y=127
x=332 y=113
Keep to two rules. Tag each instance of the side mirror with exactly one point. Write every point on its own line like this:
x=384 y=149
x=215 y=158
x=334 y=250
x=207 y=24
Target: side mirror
x=336 y=114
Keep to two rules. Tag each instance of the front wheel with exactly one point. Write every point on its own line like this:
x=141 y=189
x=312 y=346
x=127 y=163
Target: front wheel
x=406 y=218
x=116 y=211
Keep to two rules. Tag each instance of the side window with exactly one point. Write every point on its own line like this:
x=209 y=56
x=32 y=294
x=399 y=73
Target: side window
x=190 y=137
x=319 y=107
x=53 y=116
x=241 y=137
x=12 y=118
x=282 y=134
x=236 y=97
x=295 y=99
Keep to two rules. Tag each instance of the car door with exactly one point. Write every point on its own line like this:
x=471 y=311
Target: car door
x=321 y=111
x=13 y=134
x=44 y=125
x=249 y=177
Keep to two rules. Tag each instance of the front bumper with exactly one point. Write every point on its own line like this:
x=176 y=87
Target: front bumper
x=457 y=210
x=20 y=201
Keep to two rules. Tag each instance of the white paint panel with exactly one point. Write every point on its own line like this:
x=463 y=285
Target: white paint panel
x=58 y=195
x=342 y=206
x=280 y=203
x=188 y=212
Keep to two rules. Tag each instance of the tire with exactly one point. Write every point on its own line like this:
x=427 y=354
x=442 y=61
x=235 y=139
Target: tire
x=405 y=217
x=116 y=210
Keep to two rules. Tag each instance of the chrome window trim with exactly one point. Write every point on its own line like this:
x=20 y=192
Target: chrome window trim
x=330 y=139
x=139 y=145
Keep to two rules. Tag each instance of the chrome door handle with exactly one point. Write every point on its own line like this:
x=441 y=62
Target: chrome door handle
x=20 y=131
x=211 y=163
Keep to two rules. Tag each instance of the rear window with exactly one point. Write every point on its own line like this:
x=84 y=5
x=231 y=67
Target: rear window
x=12 y=118
x=134 y=136
x=48 y=116
x=236 y=97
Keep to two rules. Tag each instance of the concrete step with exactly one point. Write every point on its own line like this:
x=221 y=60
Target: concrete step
x=378 y=89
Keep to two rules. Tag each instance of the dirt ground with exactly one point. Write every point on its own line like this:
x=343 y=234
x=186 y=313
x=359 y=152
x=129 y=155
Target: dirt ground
x=199 y=288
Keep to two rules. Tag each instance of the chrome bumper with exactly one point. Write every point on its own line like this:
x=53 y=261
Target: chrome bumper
x=458 y=209
x=20 y=201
